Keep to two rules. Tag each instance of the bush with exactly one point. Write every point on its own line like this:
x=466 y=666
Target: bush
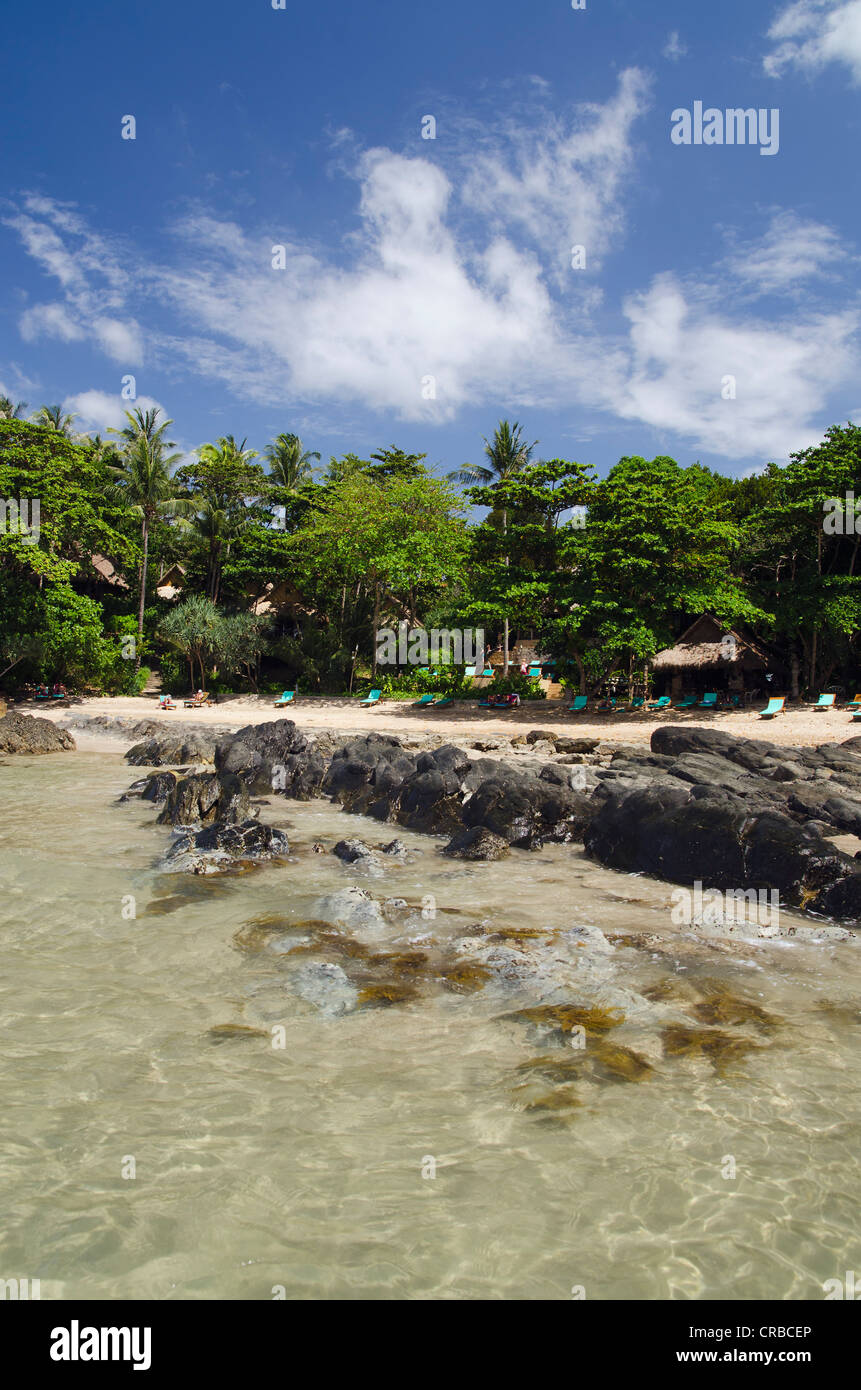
x=412 y=682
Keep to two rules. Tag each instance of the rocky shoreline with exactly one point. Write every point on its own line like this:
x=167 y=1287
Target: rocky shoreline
x=701 y=805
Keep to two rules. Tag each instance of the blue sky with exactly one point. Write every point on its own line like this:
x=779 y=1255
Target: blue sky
x=450 y=259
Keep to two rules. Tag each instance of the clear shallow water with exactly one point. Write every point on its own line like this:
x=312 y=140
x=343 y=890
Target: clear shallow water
x=302 y=1167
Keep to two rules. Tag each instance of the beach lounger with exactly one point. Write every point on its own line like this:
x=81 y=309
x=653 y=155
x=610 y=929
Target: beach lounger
x=197 y=701
x=636 y=704
x=534 y=673
x=659 y=704
x=709 y=701
x=580 y=703
x=854 y=703
x=373 y=698
x=825 y=702
x=287 y=698
x=165 y=702
x=686 y=703
x=488 y=671
x=774 y=706
x=857 y=715
x=424 y=702
x=442 y=704
x=469 y=673
x=608 y=707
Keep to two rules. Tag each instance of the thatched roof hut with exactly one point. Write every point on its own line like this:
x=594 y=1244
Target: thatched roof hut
x=708 y=645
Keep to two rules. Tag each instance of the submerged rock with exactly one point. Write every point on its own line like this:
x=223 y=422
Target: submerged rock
x=326 y=986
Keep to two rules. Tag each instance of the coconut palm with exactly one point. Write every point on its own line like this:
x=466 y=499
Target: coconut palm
x=290 y=462
x=143 y=482
x=507 y=453
x=11 y=410
x=51 y=417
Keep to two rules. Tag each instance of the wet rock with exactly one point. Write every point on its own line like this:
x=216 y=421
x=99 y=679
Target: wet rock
x=205 y=798
x=218 y=848
x=327 y=987
x=351 y=850
x=394 y=847
x=354 y=910
x=172 y=748
x=156 y=787
x=25 y=733
x=477 y=843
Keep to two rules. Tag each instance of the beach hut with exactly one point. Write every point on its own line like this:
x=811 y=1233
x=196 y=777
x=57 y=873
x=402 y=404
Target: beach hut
x=710 y=656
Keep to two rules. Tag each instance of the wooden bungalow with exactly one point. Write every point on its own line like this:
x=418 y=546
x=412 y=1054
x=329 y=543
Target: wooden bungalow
x=711 y=656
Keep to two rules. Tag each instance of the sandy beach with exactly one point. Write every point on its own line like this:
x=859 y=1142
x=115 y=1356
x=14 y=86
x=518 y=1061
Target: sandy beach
x=796 y=728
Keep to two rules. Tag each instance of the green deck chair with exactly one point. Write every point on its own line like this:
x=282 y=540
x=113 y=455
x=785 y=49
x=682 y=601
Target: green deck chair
x=373 y=698
x=825 y=702
x=709 y=700
x=287 y=698
x=660 y=703
x=580 y=703
x=775 y=706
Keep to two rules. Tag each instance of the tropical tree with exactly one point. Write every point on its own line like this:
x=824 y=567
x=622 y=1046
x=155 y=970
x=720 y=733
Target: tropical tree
x=51 y=417
x=143 y=482
x=11 y=410
x=290 y=462
x=507 y=454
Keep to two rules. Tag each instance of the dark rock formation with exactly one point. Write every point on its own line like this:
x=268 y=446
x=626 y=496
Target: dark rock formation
x=477 y=843
x=172 y=748
x=205 y=798
x=219 y=847
x=27 y=733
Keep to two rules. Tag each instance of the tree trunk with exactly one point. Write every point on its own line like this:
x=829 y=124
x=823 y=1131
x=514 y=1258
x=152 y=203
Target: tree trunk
x=145 y=540
x=794 y=676
x=505 y=639
x=376 y=628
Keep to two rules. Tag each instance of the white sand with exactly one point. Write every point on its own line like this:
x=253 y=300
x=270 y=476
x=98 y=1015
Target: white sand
x=463 y=720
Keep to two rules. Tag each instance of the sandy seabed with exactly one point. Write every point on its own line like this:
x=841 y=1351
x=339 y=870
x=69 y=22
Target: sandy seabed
x=464 y=720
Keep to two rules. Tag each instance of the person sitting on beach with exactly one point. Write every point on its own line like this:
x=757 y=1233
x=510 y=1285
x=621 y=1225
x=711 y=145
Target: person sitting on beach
x=513 y=700
x=58 y=690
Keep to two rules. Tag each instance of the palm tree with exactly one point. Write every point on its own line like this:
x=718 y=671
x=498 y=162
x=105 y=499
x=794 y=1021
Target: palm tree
x=51 y=417
x=507 y=453
x=290 y=462
x=143 y=482
x=11 y=410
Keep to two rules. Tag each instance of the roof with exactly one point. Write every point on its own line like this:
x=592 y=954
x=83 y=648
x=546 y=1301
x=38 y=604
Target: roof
x=105 y=569
x=708 y=643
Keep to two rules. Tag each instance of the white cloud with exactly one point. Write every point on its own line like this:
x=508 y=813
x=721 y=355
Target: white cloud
x=93 y=275
x=674 y=49
x=49 y=321
x=99 y=411
x=809 y=34
x=452 y=274
x=791 y=251
x=684 y=345
x=556 y=183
